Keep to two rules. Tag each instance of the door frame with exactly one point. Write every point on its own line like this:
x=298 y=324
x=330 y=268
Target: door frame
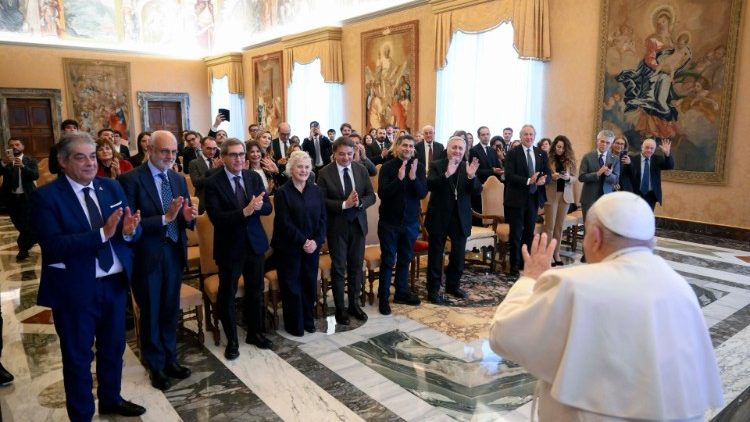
x=55 y=102
x=179 y=97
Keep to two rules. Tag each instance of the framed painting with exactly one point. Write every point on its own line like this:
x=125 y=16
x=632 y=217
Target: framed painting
x=667 y=72
x=98 y=95
x=389 y=77
x=268 y=92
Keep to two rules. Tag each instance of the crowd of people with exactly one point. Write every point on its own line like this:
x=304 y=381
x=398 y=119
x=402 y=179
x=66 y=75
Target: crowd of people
x=113 y=222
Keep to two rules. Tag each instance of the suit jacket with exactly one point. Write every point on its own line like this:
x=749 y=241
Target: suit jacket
x=333 y=192
x=487 y=162
x=140 y=189
x=276 y=145
x=188 y=155
x=656 y=165
x=199 y=173
x=326 y=149
x=443 y=199
x=593 y=185
x=400 y=199
x=66 y=239
x=517 y=174
x=438 y=152
x=29 y=173
x=374 y=152
x=232 y=230
x=124 y=152
x=551 y=187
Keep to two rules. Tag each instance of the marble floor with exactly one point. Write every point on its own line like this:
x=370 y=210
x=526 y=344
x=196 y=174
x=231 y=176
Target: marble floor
x=420 y=363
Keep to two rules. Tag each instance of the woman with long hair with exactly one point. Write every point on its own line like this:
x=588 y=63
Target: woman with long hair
x=142 y=144
x=562 y=163
x=620 y=149
x=110 y=163
x=260 y=163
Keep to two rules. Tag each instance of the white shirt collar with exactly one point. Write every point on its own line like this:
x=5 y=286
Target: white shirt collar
x=77 y=187
x=155 y=172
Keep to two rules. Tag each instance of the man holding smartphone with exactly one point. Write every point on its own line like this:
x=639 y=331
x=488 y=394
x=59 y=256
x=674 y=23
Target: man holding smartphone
x=19 y=173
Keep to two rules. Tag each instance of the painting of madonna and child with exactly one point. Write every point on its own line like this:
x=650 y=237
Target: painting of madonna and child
x=668 y=69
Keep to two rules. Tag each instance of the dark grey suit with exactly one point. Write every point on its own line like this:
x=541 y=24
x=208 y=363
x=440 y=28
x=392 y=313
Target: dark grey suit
x=595 y=186
x=199 y=173
x=346 y=229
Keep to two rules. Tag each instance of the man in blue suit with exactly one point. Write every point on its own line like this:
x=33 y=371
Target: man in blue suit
x=235 y=200
x=84 y=227
x=645 y=170
x=161 y=196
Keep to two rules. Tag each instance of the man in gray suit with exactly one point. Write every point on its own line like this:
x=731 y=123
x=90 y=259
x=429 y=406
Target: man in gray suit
x=200 y=169
x=347 y=191
x=599 y=172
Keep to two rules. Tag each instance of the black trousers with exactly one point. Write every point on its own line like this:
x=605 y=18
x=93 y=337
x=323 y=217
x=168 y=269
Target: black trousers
x=435 y=252
x=18 y=208
x=298 y=279
x=347 y=248
x=522 y=221
x=251 y=268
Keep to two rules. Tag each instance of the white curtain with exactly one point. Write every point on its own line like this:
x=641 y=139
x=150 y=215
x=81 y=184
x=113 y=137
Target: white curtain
x=485 y=84
x=235 y=103
x=309 y=98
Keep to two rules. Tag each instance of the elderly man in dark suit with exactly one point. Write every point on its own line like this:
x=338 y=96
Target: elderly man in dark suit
x=428 y=149
x=451 y=183
x=526 y=171
x=202 y=167
x=161 y=196
x=647 y=184
x=84 y=226
x=19 y=172
x=235 y=200
x=348 y=192
x=318 y=146
x=281 y=144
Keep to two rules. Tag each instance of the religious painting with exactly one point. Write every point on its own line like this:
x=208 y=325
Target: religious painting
x=389 y=77
x=91 y=19
x=98 y=95
x=666 y=72
x=268 y=92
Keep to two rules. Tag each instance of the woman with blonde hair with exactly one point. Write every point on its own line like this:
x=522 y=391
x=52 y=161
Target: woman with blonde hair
x=562 y=163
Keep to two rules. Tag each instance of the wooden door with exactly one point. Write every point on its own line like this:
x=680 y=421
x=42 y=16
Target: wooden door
x=165 y=115
x=31 y=121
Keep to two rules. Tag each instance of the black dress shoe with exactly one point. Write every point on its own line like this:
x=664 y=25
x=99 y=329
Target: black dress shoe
x=5 y=376
x=123 y=408
x=409 y=299
x=310 y=329
x=459 y=293
x=176 y=370
x=259 y=341
x=357 y=312
x=232 y=350
x=435 y=299
x=160 y=380
x=342 y=318
x=557 y=263
x=384 y=307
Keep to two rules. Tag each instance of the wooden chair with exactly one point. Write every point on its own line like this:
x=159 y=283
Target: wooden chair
x=421 y=245
x=493 y=214
x=192 y=269
x=573 y=224
x=374 y=179
x=190 y=187
x=372 y=251
x=44 y=174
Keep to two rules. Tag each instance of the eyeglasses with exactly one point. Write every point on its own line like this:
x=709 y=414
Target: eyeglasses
x=236 y=155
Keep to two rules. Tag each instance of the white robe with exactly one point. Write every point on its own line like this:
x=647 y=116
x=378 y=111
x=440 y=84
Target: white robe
x=620 y=339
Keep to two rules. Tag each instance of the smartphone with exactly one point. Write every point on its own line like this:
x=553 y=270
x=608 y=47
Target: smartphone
x=623 y=154
x=224 y=112
x=9 y=152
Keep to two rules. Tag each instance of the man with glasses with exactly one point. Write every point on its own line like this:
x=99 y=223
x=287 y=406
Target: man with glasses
x=202 y=167
x=161 y=195
x=192 y=149
x=235 y=200
x=281 y=144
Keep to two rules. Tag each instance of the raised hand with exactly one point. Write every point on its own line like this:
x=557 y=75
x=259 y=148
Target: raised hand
x=111 y=224
x=130 y=222
x=218 y=120
x=268 y=165
x=452 y=167
x=174 y=208
x=471 y=168
x=402 y=171
x=540 y=258
x=666 y=146
x=413 y=170
x=189 y=212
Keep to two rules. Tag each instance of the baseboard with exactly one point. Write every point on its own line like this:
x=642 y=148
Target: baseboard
x=706 y=229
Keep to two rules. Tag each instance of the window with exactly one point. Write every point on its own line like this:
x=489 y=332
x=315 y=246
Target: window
x=310 y=98
x=235 y=103
x=486 y=84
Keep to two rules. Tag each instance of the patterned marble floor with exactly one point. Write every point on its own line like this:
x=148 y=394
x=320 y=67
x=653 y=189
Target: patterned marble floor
x=421 y=363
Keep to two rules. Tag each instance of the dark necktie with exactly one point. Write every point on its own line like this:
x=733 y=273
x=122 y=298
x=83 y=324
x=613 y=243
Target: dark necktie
x=601 y=160
x=429 y=153
x=646 y=179
x=351 y=213
x=104 y=254
x=209 y=162
x=530 y=165
x=166 y=201
x=239 y=193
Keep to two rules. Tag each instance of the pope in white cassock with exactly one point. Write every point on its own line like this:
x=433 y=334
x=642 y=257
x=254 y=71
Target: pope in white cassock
x=622 y=338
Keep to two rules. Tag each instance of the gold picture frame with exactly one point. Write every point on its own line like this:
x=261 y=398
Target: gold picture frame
x=666 y=70
x=98 y=93
x=269 y=102
x=390 y=83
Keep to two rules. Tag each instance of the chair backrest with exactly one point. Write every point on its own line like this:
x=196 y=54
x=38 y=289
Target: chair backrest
x=205 y=230
x=189 y=182
x=44 y=174
x=492 y=198
x=373 y=215
x=577 y=188
x=267 y=220
x=374 y=179
x=192 y=235
x=425 y=201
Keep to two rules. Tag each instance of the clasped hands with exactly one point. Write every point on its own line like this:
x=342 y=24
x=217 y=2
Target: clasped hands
x=255 y=204
x=604 y=170
x=352 y=200
x=310 y=246
x=129 y=223
x=412 y=170
x=188 y=213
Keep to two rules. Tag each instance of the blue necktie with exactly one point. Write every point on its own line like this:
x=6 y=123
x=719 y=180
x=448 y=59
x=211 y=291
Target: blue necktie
x=601 y=160
x=166 y=200
x=530 y=164
x=351 y=213
x=104 y=254
x=646 y=179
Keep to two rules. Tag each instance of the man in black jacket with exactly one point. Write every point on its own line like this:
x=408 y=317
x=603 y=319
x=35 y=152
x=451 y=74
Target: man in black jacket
x=19 y=172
